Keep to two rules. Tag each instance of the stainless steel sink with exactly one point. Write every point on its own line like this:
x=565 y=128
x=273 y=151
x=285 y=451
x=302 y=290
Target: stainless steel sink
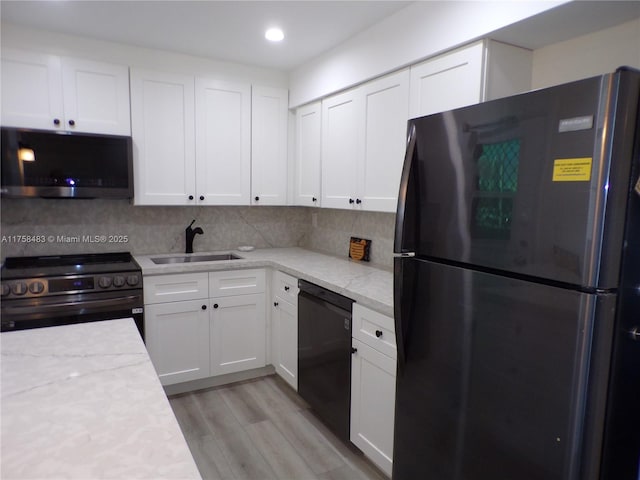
x=216 y=257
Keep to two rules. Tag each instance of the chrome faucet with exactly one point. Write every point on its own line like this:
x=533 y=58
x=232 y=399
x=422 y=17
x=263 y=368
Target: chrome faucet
x=190 y=235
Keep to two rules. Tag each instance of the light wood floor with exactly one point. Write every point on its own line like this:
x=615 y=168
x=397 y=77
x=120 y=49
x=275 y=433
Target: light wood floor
x=262 y=429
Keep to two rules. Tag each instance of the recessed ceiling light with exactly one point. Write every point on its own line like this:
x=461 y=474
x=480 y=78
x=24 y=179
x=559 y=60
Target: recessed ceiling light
x=274 y=35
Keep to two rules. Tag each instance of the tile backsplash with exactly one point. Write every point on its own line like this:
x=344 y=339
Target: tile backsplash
x=66 y=223
x=88 y=226
x=331 y=230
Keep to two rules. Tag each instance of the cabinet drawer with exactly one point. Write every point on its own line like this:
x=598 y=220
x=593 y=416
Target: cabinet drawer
x=374 y=329
x=175 y=288
x=236 y=282
x=286 y=287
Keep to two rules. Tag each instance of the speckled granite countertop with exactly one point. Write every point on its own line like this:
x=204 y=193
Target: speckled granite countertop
x=367 y=285
x=83 y=401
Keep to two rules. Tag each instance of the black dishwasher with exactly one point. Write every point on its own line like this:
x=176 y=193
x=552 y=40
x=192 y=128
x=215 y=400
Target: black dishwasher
x=324 y=355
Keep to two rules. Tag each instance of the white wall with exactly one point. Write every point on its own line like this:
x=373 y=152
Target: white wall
x=587 y=55
x=420 y=30
x=67 y=45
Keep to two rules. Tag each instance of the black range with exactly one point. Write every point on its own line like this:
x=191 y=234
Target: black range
x=46 y=291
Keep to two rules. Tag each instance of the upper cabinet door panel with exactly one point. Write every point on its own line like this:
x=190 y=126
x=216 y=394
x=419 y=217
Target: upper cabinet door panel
x=53 y=93
x=96 y=97
x=448 y=81
x=269 y=124
x=341 y=147
x=386 y=104
x=31 y=90
x=162 y=121
x=223 y=142
x=308 y=152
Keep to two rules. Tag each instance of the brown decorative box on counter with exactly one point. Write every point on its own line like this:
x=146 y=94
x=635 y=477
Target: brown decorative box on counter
x=359 y=249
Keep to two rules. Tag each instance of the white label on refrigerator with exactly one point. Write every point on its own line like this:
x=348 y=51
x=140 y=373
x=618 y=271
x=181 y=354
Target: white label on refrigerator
x=575 y=123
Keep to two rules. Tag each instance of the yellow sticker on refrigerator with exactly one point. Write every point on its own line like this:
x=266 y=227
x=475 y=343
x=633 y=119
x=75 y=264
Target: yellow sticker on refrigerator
x=572 y=169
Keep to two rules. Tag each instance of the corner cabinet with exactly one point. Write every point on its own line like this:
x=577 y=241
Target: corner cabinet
x=308 y=154
x=373 y=385
x=363 y=143
x=284 y=327
x=269 y=165
x=482 y=71
x=65 y=94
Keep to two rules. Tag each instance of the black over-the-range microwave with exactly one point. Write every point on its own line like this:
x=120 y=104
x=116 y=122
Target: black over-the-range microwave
x=38 y=163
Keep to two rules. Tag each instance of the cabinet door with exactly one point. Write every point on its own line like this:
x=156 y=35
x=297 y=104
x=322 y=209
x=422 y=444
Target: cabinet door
x=269 y=118
x=177 y=338
x=285 y=340
x=308 y=149
x=238 y=333
x=96 y=97
x=373 y=389
x=448 y=81
x=31 y=90
x=162 y=126
x=341 y=146
x=386 y=106
x=223 y=142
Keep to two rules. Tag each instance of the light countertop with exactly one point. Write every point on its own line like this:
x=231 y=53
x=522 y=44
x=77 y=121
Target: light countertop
x=84 y=401
x=368 y=285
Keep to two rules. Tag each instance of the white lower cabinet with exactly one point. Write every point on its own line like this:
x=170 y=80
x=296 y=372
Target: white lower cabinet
x=238 y=333
x=373 y=387
x=285 y=341
x=205 y=324
x=177 y=338
x=284 y=327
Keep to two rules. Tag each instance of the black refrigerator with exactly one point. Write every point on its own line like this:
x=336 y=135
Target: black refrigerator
x=517 y=288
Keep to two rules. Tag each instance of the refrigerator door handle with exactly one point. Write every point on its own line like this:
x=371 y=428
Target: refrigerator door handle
x=402 y=305
x=404 y=218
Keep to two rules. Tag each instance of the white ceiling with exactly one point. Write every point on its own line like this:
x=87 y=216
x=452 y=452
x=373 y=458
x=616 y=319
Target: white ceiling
x=224 y=30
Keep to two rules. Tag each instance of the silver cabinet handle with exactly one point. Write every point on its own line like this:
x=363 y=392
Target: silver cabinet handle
x=634 y=334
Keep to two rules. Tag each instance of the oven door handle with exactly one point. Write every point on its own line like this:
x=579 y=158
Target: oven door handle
x=56 y=306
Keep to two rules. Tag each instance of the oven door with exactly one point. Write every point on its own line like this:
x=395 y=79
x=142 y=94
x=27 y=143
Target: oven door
x=21 y=314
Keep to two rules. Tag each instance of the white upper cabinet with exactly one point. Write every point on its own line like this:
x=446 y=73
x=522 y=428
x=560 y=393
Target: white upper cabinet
x=53 y=93
x=269 y=124
x=192 y=140
x=386 y=104
x=223 y=142
x=482 y=71
x=341 y=147
x=31 y=90
x=96 y=97
x=162 y=116
x=363 y=143
x=308 y=152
